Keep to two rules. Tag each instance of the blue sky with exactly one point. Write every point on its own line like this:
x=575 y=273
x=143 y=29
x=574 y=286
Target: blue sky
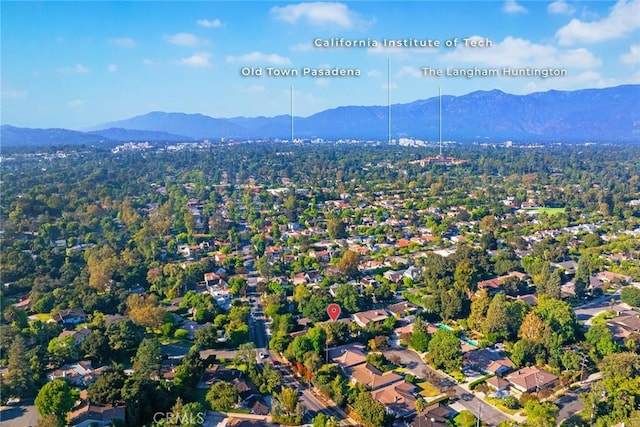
x=78 y=64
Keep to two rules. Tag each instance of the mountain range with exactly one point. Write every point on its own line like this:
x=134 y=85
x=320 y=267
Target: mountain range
x=594 y=115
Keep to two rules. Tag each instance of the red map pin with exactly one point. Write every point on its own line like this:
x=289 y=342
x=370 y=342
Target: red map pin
x=333 y=310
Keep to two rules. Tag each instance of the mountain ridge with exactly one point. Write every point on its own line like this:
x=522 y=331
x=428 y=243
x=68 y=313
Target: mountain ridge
x=594 y=115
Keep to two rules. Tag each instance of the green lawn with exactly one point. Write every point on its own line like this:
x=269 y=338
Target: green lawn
x=428 y=389
x=548 y=211
x=498 y=404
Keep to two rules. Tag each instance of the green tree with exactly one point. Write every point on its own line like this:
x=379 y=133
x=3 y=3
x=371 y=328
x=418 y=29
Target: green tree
x=96 y=346
x=107 y=389
x=299 y=347
x=601 y=338
x=349 y=299
x=287 y=407
x=540 y=414
x=371 y=412
x=479 y=308
x=64 y=348
x=525 y=352
x=56 y=398
x=279 y=341
x=557 y=316
x=124 y=335
x=223 y=396
x=630 y=295
x=444 y=350
x=419 y=340
x=148 y=358
x=336 y=228
x=497 y=321
x=19 y=378
x=322 y=420
x=318 y=337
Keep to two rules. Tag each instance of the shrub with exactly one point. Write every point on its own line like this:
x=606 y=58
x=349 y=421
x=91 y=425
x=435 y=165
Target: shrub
x=511 y=402
x=181 y=334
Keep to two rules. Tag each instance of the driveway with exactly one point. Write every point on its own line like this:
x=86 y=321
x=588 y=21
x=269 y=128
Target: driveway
x=23 y=414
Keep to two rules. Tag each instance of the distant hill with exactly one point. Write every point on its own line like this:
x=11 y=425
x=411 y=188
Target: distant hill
x=15 y=136
x=609 y=114
x=594 y=115
x=10 y=135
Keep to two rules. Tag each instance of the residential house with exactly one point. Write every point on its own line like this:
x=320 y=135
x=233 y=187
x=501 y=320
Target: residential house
x=363 y=318
x=402 y=309
x=624 y=325
x=495 y=285
x=398 y=398
x=347 y=356
x=191 y=327
x=369 y=376
x=569 y=267
x=71 y=316
x=497 y=384
x=216 y=373
x=246 y=389
x=78 y=336
x=96 y=415
x=488 y=360
x=412 y=273
x=531 y=379
x=605 y=278
x=79 y=374
x=435 y=415
x=393 y=276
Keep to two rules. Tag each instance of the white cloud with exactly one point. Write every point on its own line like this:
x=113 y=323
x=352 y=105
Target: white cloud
x=375 y=74
x=75 y=103
x=148 y=62
x=112 y=68
x=512 y=6
x=322 y=82
x=516 y=52
x=182 y=39
x=621 y=21
x=316 y=13
x=200 y=59
x=560 y=7
x=270 y=58
x=392 y=86
x=213 y=23
x=408 y=71
x=631 y=57
x=123 y=42
x=14 y=94
x=76 y=69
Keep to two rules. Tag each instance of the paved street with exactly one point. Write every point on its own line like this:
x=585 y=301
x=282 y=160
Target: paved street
x=23 y=414
x=570 y=404
x=586 y=312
